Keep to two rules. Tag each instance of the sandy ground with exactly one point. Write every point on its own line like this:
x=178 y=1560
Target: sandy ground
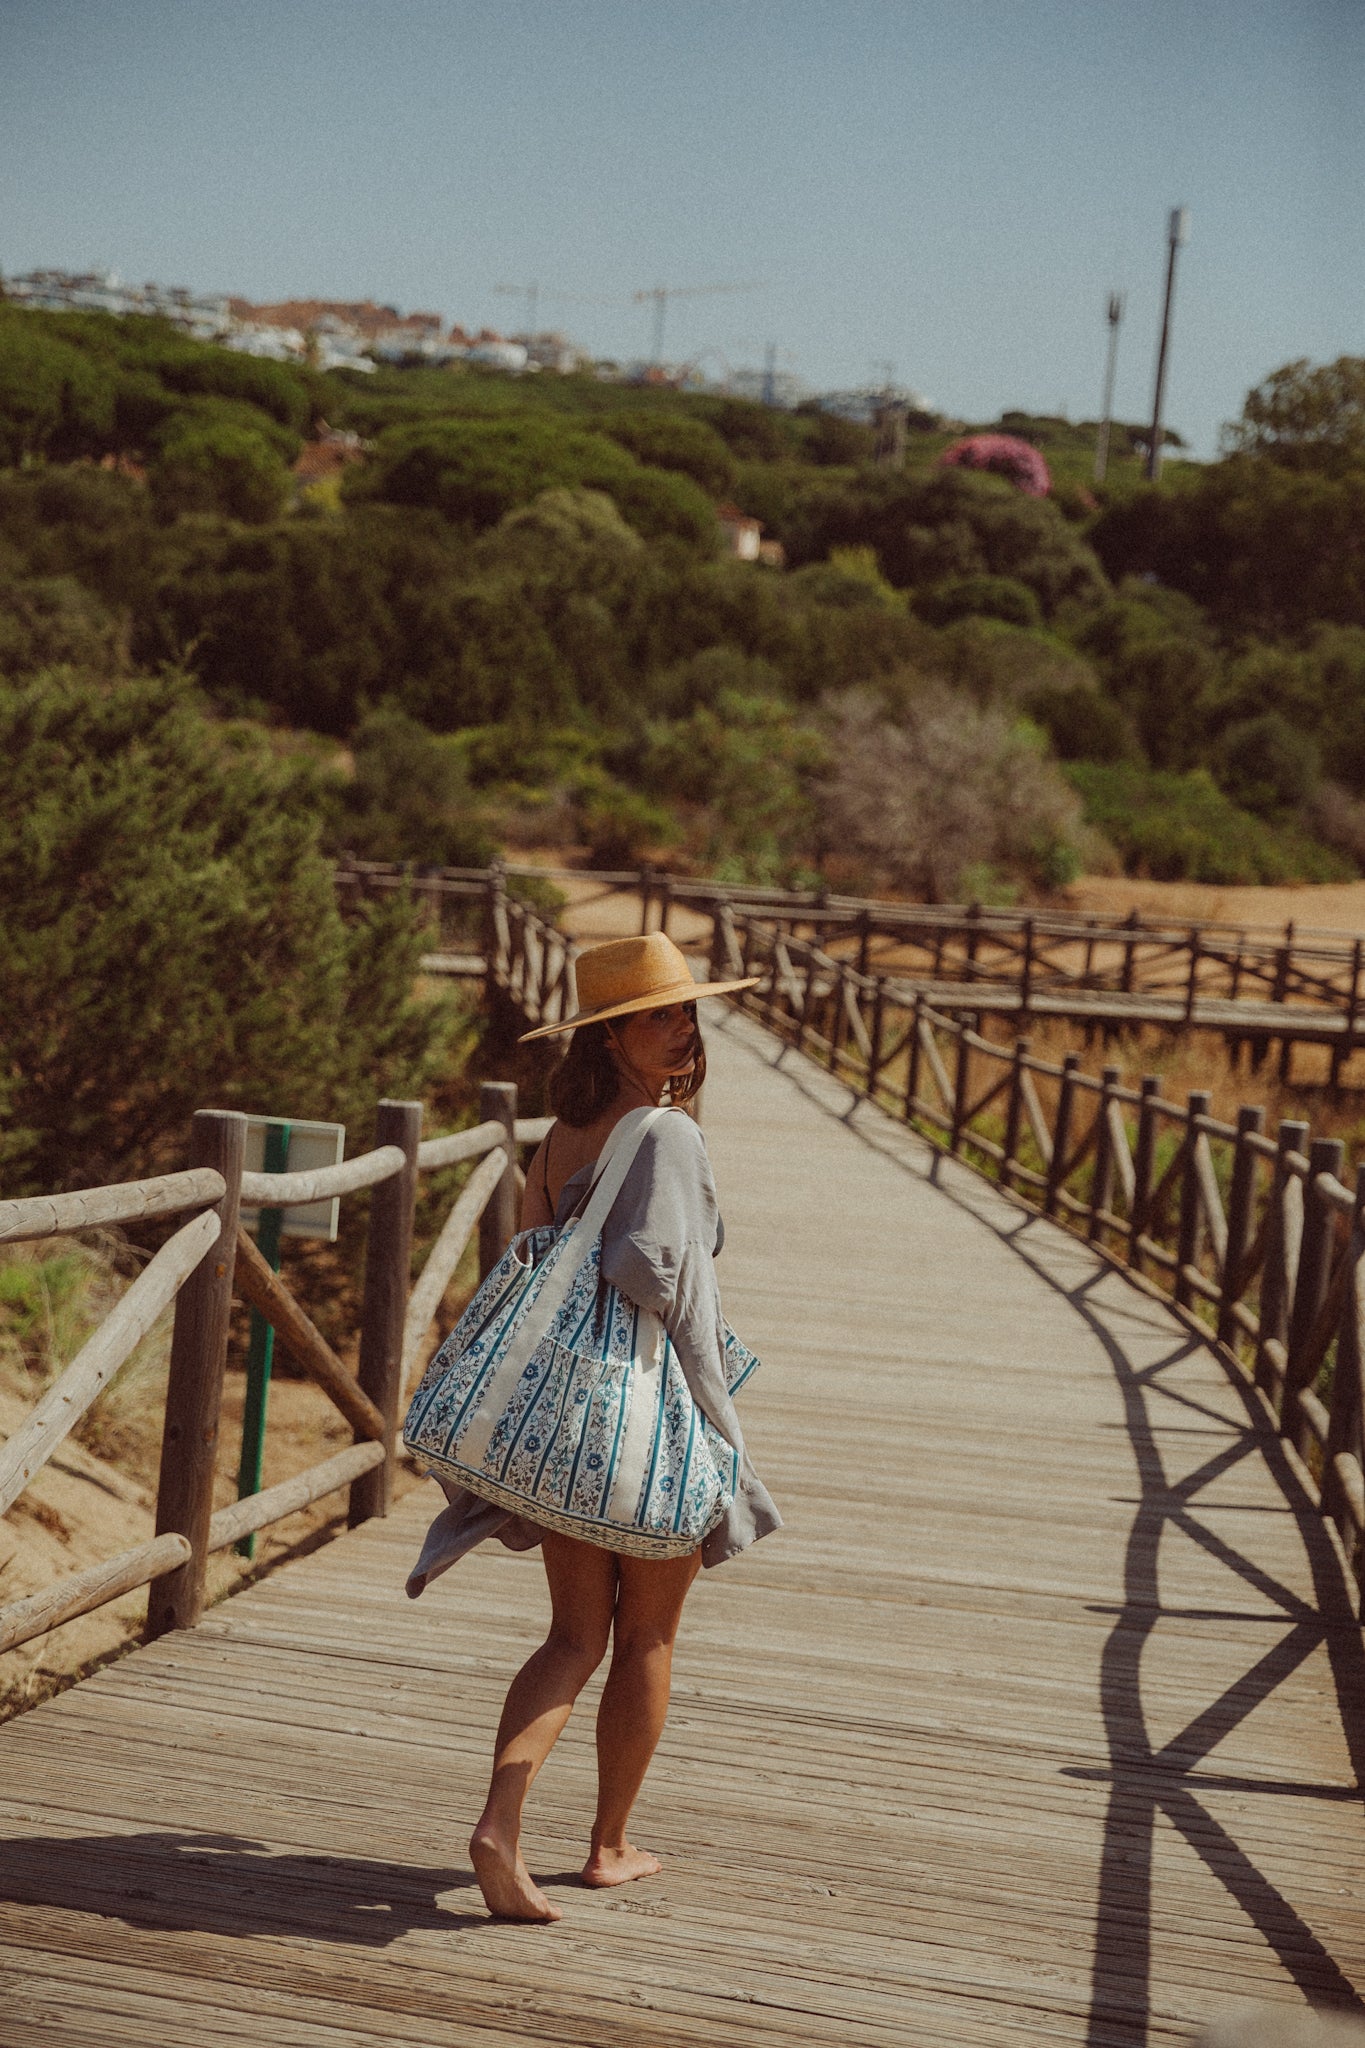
x=82 y=1509
x=1319 y=906
x=594 y=912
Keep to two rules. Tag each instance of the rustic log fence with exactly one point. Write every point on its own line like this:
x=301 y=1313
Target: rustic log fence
x=205 y=1262
x=1045 y=951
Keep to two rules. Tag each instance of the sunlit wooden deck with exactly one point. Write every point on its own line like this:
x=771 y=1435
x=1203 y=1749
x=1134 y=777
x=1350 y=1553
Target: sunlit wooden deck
x=1041 y=1721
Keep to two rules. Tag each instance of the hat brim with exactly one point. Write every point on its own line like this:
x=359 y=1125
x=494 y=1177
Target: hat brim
x=657 y=999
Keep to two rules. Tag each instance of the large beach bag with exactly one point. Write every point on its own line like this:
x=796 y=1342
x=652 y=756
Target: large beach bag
x=559 y=1398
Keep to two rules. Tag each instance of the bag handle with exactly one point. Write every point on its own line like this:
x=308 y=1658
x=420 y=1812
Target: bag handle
x=618 y=1153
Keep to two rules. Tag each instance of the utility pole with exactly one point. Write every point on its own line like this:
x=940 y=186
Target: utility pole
x=1177 y=234
x=770 y=374
x=1114 y=315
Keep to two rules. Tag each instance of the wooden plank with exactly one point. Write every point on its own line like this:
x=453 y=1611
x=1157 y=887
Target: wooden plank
x=446 y=1253
x=259 y=1510
x=457 y=1146
x=79 y=1592
x=366 y=1170
x=101 y=1356
x=302 y=1339
x=97 y=1208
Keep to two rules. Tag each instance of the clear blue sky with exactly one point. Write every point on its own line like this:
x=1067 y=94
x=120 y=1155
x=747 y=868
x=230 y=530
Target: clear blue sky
x=949 y=185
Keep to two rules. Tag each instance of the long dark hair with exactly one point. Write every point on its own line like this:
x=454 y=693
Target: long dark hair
x=586 y=1082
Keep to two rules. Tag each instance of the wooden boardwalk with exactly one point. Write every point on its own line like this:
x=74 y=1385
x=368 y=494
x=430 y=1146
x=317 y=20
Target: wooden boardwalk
x=1041 y=1722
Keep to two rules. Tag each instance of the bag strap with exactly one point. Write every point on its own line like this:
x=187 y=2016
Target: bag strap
x=614 y=1161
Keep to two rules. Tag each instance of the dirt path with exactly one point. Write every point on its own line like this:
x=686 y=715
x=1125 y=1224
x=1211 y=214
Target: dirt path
x=1322 y=906
x=594 y=912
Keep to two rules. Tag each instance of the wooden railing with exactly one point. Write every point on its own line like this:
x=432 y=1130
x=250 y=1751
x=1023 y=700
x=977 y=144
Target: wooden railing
x=1259 y=1241
x=206 y=1260
x=1039 y=952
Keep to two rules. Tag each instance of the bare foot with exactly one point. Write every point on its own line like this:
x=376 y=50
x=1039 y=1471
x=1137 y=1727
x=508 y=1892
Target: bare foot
x=506 y=1884
x=619 y=1866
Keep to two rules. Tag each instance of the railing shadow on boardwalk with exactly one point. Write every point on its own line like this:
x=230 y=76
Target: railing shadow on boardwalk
x=1151 y=1780
x=1148 y=1780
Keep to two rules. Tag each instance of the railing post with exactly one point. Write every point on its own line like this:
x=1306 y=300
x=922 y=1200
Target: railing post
x=716 y=956
x=1129 y=946
x=973 y=921
x=916 y=1054
x=877 y=1034
x=1341 y=1050
x=1144 y=1167
x=1315 y=1261
x=1102 y=1179
x=388 y=1278
x=807 y=995
x=1273 y=1309
x=961 y=1083
x=495 y=897
x=1014 y=1112
x=1026 y=976
x=498 y=1224
x=194 y=1393
x=864 y=938
x=1343 y=1420
x=1241 y=1217
x=1188 y=1235
x=836 y=1022
x=1061 y=1136
x=1283 y=956
x=1088 y=969
x=665 y=903
x=1192 y=986
x=646 y=880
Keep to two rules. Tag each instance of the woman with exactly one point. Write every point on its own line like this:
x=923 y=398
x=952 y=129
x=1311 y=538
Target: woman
x=636 y=1044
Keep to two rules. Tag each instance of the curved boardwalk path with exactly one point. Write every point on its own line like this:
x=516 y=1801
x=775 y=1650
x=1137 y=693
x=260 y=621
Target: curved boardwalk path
x=1028 y=1728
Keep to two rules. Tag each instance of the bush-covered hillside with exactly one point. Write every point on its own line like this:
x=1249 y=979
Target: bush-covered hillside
x=510 y=619
x=517 y=617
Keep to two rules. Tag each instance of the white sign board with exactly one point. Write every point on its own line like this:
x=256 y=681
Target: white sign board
x=310 y=1146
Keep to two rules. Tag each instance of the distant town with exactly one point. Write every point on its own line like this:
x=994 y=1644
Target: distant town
x=360 y=335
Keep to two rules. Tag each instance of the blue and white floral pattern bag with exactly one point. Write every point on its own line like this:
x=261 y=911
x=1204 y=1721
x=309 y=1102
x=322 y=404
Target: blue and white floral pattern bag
x=559 y=1398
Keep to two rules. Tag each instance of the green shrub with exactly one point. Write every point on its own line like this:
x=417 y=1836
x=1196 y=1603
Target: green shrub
x=1083 y=724
x=985 y=597
x=670 y=440
x=208 y=465
x=475 y=471
x=1266 y=765
x=409 y=798
x=1182 y=828
x=619 y=827
x=170 y=939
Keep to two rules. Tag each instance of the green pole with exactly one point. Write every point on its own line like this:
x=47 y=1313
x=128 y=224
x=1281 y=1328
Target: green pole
x=261 y=1349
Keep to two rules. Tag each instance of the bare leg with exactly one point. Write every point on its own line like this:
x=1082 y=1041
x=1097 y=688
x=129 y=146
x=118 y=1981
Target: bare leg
x=634 y=1707
x=582 y=1582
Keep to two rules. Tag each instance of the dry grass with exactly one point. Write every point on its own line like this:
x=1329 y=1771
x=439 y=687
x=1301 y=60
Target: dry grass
x=1186 y=1061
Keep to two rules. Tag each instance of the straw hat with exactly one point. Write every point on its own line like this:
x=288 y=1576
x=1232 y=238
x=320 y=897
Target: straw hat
x=633 y=974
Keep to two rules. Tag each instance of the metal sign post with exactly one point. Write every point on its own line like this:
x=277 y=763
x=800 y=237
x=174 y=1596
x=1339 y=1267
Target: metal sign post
x=278 y=1145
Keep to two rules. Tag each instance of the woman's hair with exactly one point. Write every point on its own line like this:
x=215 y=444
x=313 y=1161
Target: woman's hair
x=586 y=1082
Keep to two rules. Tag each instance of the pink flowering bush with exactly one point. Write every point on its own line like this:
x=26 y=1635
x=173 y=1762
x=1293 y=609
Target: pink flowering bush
x=1004 y=455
